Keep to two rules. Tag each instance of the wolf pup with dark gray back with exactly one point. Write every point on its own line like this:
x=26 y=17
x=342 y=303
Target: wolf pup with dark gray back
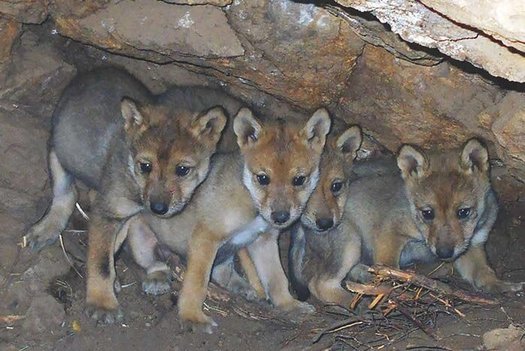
x=441 y=207
x=248 y=198
x=138 y=154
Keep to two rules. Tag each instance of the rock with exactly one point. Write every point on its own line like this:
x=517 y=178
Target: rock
x=399 y=102
x=509 y=126
x=9 y=32
x=76 y=9
x=296 y=51
x=508 y=339
x=25 y=11
x=34 y=80
x=502 y=20
x=158 y=27
x=200 y=2
x=44 y=314
x=416 y=23
x=282 y=50
x=375 y=33
x=25 y=141
x=304 y=55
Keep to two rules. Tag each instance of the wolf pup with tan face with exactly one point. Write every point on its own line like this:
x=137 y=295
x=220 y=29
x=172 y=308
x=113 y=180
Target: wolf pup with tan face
x=442 y=207
x=110 y=133
x=256 y=192
x=316 y=253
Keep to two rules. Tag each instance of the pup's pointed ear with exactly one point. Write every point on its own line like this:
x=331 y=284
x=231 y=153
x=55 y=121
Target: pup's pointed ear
x=474 y=156
x=316 y=129
x=412 y=162
x=349 y=142
x=247 y=128
x=131 y=114
x=209 y=125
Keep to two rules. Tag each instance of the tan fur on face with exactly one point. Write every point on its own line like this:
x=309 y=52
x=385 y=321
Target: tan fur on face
x=325 y=203
x=281 y=152
x=446 y=183
x=168 y=142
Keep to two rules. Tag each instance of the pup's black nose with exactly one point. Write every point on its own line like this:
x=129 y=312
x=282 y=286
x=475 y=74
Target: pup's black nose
x=159 y=208
x=280 y=217
x=445 y=252
x=324 y=223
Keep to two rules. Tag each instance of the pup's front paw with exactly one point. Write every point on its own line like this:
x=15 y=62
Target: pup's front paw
x=296 y=310
x=198 y=322
x=497 y=286
x=157 y=283
x=300 y=307
x=40 y=236
x=104 y=317
x=243 y=288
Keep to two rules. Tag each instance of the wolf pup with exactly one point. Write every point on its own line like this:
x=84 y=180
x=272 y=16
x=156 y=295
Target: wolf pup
x=442 y=207
x=264 y=186
x=315 y=252
x=109 y=133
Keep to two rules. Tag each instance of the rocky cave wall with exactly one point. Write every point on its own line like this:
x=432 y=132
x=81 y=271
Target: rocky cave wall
x=455 y=73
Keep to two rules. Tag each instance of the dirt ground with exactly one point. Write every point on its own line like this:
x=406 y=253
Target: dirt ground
x=58 y=323
x=42 y=296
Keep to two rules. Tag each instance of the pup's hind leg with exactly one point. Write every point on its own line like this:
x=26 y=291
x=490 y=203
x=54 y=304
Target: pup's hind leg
x=226 y=276
x=46 y=230
x=264 y=253
x=143 y=242
x=474 y=268
x=100 y=298
x=327 y=286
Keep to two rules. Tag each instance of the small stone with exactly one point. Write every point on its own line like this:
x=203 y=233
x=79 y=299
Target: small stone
x=44 y=314
x=510 y=339
x=75 y=326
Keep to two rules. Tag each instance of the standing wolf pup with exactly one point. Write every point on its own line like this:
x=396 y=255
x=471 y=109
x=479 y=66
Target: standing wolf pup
x=109 y=132
x=264 y=186
x=441 y=207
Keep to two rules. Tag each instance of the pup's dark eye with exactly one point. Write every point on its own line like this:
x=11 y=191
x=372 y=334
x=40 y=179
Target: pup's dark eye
x=298 y=181
x=263 y=179
x=182 y=171
x=336 y=186
x=145 y=167
x=464 y=213
x=428 y=214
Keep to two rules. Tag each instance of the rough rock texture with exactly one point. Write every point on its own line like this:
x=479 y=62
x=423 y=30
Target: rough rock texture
x=510 y=339
x=288 y=48
x=36 y=77
x=431 y=27
x=9 y=31
x=375 y=33
x=279 y=46
x=509 y=129
x=159 y=27
x=25 y=11
x=399 y=102
x=200 y=2
x=503 y=20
